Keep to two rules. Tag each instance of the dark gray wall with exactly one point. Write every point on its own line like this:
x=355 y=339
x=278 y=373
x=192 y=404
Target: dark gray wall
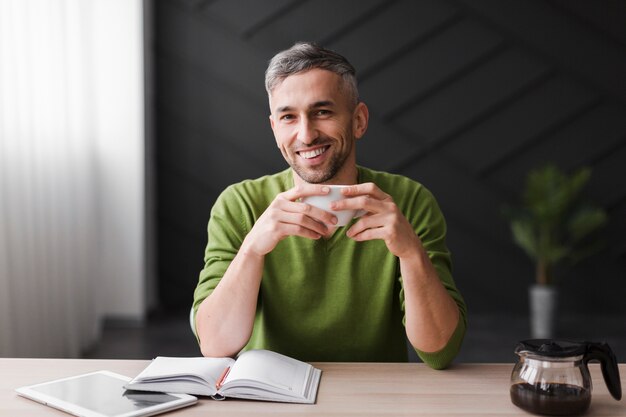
x=465 y=96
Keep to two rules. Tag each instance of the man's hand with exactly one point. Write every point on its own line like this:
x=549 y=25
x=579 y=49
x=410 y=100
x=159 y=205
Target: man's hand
x=286 y=216
x=383 y=219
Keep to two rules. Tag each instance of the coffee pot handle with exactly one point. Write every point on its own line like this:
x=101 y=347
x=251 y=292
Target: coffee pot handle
x=608 y=363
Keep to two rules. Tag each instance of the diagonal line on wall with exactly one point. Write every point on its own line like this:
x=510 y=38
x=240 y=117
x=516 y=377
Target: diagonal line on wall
x=227 y=141
x=201 y=4
x=193 y=64
x=608 y=152
x=250 y=32
x=431 y=146
x=332 y=37
x=587 y=23
x=564 y=45
x=436 y=30
x=436 y=87
x=190 y=5
x=541 y=136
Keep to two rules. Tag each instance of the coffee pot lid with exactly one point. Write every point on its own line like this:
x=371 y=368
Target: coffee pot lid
x=551 y=348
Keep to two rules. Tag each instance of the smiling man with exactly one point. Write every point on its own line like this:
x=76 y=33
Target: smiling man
x=279 y=275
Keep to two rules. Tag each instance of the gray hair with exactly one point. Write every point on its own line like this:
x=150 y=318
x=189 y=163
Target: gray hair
x=304 y=56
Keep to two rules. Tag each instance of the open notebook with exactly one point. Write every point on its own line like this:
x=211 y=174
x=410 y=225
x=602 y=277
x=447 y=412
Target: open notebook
x=254 y=375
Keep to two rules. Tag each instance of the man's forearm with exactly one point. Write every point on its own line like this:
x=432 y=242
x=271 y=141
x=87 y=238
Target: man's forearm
x=225 y=318
x=431 y=313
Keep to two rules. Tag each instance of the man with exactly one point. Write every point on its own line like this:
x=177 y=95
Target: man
x=279 y=275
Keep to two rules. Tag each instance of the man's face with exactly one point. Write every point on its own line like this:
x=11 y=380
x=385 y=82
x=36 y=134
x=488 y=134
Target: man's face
x=315 y=124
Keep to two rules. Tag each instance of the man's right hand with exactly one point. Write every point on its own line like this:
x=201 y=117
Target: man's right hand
x=286 y=216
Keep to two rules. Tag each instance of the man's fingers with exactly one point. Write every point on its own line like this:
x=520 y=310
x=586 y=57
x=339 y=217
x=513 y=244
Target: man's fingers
x=366 y=196
x=313 y=212
x=369 y=234
x=365 y=223
x=362 y=202
x=304 y=190
x=303 y=221
x=367 y=188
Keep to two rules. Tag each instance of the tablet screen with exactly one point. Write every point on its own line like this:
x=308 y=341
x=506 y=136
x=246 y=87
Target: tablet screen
x=103 y=394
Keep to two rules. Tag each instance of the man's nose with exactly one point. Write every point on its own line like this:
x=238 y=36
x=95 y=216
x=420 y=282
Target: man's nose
x=307 y=133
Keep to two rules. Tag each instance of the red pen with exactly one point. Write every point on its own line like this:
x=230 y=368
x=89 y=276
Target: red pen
x=220 y=381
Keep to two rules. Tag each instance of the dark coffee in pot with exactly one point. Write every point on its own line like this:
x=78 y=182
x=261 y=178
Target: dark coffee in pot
x=551 y=399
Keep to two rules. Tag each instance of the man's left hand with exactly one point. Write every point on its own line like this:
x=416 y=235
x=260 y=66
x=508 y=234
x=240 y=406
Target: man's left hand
x=383 y=219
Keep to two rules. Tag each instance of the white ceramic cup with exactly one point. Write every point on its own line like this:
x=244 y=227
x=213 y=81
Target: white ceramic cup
x=323 y=201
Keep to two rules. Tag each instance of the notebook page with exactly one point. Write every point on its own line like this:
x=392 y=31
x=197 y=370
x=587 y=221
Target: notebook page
x=272 y=369
x=166 y=368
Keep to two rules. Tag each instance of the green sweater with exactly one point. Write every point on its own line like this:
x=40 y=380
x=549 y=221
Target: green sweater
x=330 y=299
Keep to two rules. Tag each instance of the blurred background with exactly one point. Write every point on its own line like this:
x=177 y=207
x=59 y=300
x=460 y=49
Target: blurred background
x=121 y=121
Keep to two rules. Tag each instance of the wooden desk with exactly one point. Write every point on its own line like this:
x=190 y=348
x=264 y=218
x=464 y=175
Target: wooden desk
x=346 y=389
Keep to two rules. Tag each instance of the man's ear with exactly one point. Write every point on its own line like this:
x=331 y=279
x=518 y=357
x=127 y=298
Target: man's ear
x=361 y=119
x=271 y=122
x=273 y=125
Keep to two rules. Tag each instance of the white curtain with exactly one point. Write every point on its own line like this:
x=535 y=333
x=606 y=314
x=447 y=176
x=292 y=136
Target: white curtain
x=52 y=204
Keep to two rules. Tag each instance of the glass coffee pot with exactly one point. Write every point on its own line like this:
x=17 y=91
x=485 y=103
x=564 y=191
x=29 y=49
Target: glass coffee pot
x=551 y=376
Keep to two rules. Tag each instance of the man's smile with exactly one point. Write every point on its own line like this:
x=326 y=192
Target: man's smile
x=313 y=153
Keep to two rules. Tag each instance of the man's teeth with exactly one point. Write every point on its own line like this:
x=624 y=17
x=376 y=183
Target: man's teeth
x=314 y=153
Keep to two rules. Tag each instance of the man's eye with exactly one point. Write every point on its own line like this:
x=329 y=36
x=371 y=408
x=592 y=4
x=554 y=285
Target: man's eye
x=323 y=112
x=287 y=117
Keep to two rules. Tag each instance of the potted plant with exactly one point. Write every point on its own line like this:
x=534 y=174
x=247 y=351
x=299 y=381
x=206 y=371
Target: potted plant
x=553 y=225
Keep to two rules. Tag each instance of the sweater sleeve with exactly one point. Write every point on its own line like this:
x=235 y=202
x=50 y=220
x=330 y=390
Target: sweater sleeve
x=430 y=226
x=226 y=230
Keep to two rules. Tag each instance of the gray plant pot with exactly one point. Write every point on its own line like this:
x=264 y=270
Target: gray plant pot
x=543 y=305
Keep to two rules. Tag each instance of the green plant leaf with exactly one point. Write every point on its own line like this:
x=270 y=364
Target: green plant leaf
x=554 y=253
x=577 y=182
x=547 y=194
x=585 y=221
x=524 y=236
